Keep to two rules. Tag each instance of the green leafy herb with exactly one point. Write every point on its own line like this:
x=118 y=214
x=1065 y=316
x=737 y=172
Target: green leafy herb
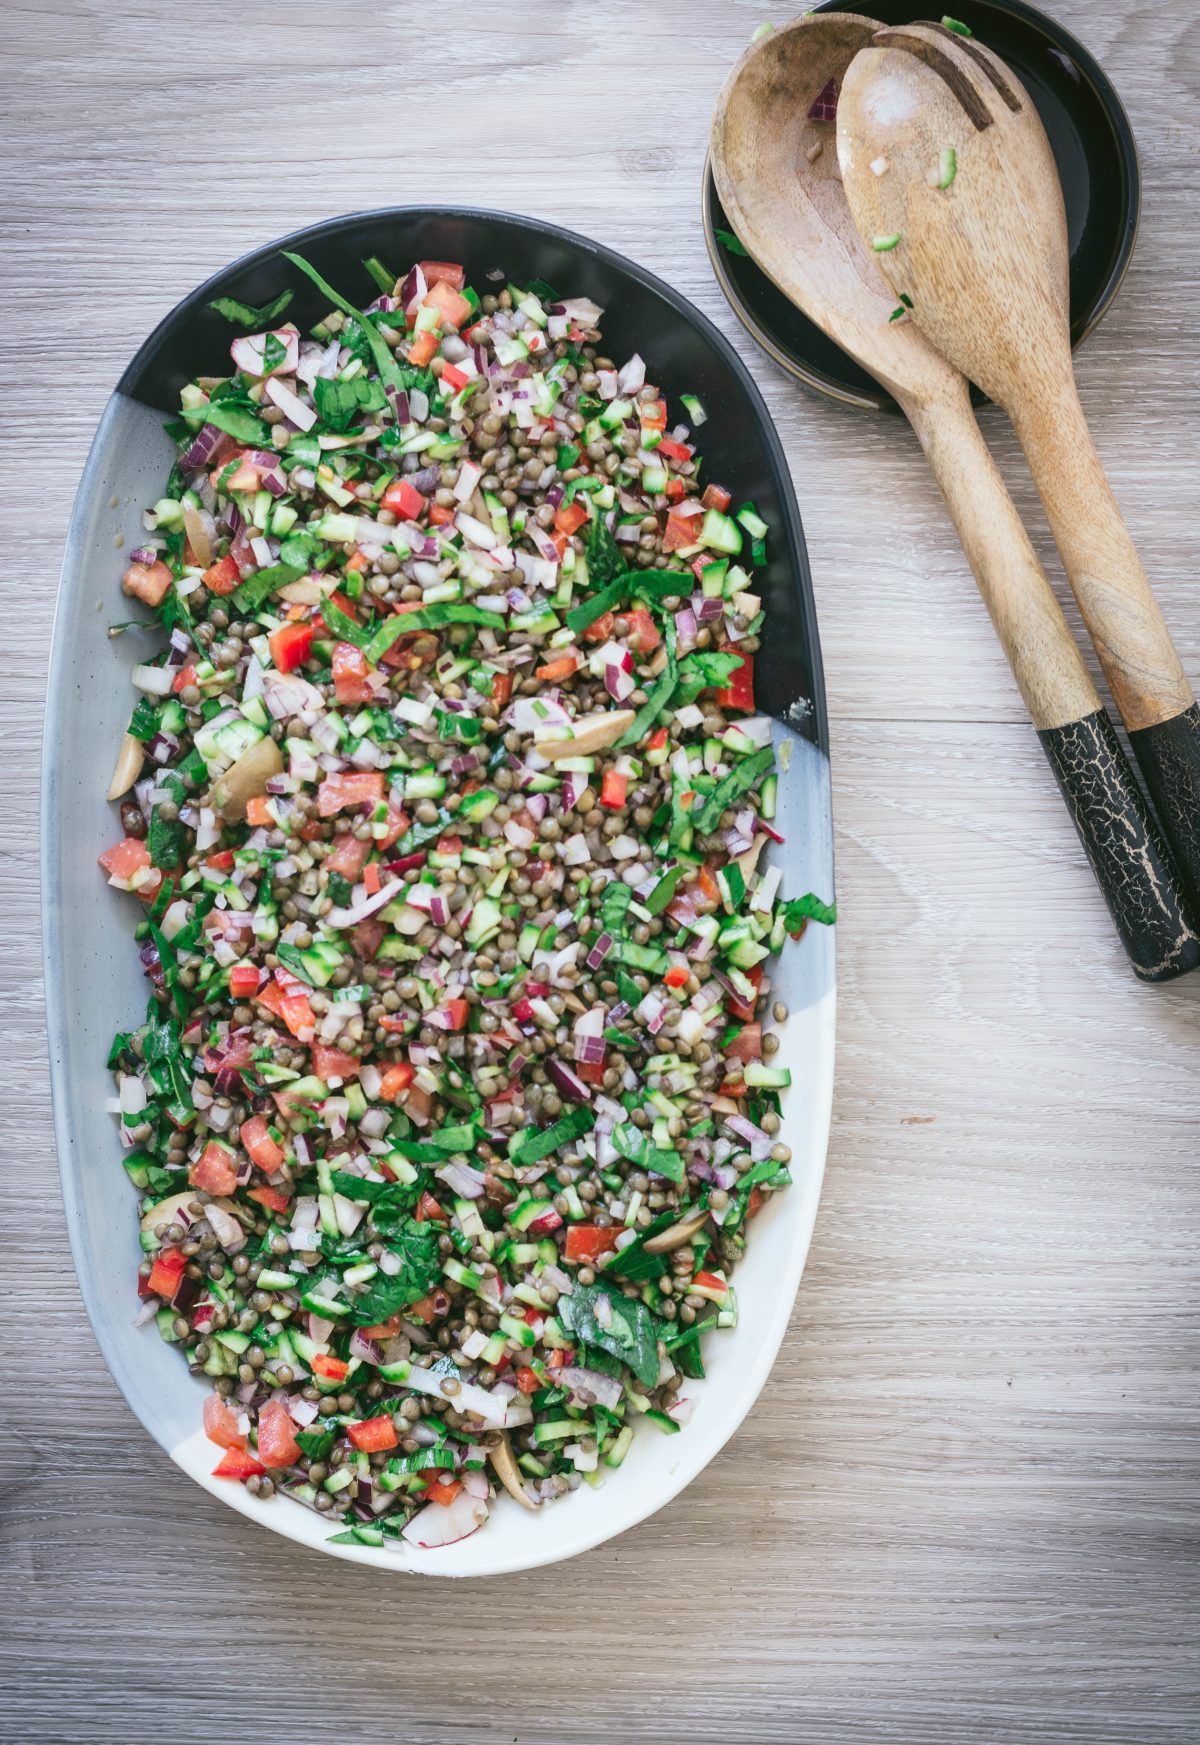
x=415 y=1245
x=258 y=587
x=428 y=618
x=729 y=241
x=164 y=840
x=338 y=401
x=380 y=351
x=797 y=910
x=245 y=315
x=538 y=1142
x=604 y=560
x=740 y=781
x=659 y=697
x=700 y=670
x=234 y=420
x=631 y=1333
x=143 y=723
x=385 y=280
x=958 y=28
x=646 y=584
x=274 y=352
x=292 y=959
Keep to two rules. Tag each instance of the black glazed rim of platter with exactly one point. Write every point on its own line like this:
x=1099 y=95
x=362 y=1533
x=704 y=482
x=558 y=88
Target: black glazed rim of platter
x=1097 y=159
x=686 y=352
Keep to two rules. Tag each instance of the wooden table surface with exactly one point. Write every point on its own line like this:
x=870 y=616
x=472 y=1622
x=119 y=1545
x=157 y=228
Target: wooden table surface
x=966 y=1508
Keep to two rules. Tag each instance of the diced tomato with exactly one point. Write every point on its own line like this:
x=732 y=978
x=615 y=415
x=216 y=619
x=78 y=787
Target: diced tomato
x=349 y=857
x=222 y=577
x=502 y=686
x=351 y=674
x=571 y=517
x=555 y=671
x=421 y=352
x=653 y=414
x=676 y=489
x=592 y=1072
x=334 y=1063
x=184 y=677
x=395 y=823
x=754 y=1202
x=739 y=692
x=439 y=516
x=429 y=1212
x=710 y=1282
x=125 y=859
x=355 y=564
x=699 y=896
x=368 y=936
x=587 y=1242
x=676 y=451
x=384 y=1329
x=332 y=1368
x=528 y=1381
x=373 y=1434
x=294 y=1009
x=255 y=1138
x=733 y=1088
x=613 y=788
x=441 y=1489
x=746 y=1045
x=272 y=1198
x=147 y=581
x=657 y=739
x=243 y=980
x=277 y=1445
x=221 y=1425
x=291 y=645
x=236 y=1463
x=360 y=788
x=214 y=1170
x=396 y=1080
x=444 y=273
x=715 y=497
x=677 y=975
x=449 y=302
x=403 y=499
x=739 y=1008
x=681 y=526
x=600 y=629
x=454 y=379
x=643 y=636
x=456 y=1014
x=166 y=1273
x=430 y=1308
x=221 y=860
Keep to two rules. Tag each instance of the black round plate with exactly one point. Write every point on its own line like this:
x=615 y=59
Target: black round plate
x=1097 y=161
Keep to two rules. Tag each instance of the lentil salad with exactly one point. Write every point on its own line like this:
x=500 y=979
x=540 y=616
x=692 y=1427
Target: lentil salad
x=454 y=1098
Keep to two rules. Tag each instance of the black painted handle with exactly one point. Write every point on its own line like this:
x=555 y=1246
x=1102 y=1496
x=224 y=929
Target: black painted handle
x=1169 y=754
x=1134 y=868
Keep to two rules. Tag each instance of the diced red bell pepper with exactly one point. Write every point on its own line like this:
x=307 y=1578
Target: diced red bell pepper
x=739 y=692
x=555 y=671
x=439 y=514
x=681 y=528
x=676 y=451
x=441 y=1489
x=334 y=1063
x=676 y=489
x=715 y=497
x=221 y=1425
x=454 y=379
x=643 y=635
x=272 y=1198
x=291 y=645
x=613 y=788
x=290 y=1004
x=587 y=1242
x=166 y=1273
x=221 y=860
x=571 y=517
x=255 y=1138
x=277 y=1445
x=657 y=739
x=403 y=499
x=360 y=788
x=456 y=1014
x=677 y=975
x=592 y=1071
x=502 y=687
x=528 y=1381
x=184 y=677
x=349 y=857
x=214 y=1170
x=373 y=1434
x=330 y=1367
x=236 y=1463
x=243 y=980
x=396 y=1080
x=351 y=674
x=600 y=629
x=147 y=581
x=754 y=1202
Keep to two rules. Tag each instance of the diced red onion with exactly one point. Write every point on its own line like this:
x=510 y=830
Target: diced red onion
x=685 y=630
x=566 y=1081
x=824 y=104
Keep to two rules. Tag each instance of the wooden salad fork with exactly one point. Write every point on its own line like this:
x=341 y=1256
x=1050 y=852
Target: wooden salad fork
x=951 y=181
x=777 y=176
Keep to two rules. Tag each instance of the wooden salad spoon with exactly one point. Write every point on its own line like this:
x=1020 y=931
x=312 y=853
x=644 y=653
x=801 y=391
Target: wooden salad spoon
x=968 y=221
x=777 y=176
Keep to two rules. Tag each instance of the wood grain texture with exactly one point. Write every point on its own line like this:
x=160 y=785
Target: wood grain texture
x=965 y=1512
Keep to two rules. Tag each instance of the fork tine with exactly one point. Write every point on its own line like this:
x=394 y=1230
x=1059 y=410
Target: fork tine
x=941 y=63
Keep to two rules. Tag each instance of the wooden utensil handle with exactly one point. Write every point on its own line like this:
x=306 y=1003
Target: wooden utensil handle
x=1133 y=867
x=1140 y=661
